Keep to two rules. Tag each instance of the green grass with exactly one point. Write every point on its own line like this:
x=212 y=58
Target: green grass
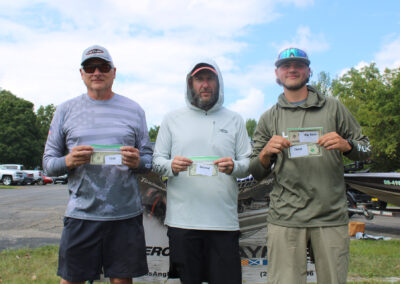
x=9 y=187
x=29 y=265
x=370 y=262
x=372 y=259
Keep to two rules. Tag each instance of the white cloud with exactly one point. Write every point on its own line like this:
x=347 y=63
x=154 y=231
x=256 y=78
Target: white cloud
x=389 y=54
x=387 y=57
x=306 y=40
x=222 y=18
x=152 y=43
x=156 y=101
x=251 y=106
x=258 y=76
x=299 y=3
x=359 y=66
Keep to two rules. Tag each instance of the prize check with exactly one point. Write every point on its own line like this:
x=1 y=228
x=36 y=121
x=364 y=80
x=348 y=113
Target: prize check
x=106 y=155
x=203 y=166
x=106 y=158
x=304 y=142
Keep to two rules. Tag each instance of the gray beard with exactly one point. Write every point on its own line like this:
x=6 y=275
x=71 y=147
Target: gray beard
x=204 y=105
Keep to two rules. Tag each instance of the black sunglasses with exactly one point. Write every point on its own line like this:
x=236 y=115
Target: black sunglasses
x=103 y=68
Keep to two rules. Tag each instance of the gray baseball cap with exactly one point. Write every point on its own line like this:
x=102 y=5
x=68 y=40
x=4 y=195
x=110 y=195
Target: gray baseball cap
x=96 y=51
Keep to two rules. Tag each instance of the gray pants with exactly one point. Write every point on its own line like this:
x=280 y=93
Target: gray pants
x=287 y=254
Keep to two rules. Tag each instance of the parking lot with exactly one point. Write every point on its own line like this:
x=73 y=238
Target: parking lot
x=31 y=216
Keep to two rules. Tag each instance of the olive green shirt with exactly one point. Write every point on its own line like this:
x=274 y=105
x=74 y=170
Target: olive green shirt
x=308 y=191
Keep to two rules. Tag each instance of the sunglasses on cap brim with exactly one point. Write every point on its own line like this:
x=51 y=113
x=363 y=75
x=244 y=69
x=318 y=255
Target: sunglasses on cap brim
x=292 y=52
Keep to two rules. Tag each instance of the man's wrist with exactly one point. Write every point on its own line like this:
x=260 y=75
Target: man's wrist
x=351 y=144
x=173 y=172
x=68 y=163
x=265 y=160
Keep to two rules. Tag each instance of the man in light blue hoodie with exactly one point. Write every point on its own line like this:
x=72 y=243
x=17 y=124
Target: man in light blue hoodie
x=202 y=148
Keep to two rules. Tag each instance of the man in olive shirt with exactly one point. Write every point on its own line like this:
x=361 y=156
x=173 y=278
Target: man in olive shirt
x=305 y=136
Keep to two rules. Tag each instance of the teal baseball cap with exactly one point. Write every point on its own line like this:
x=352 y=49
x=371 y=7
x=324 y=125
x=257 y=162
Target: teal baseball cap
x=290 y=54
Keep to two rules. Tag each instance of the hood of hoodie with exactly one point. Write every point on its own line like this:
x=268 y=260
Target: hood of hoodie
x=188 y=96
x=314 y=99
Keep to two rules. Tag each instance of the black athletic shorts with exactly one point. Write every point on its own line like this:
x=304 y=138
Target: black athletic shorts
x=198 y=256
x=89 y=248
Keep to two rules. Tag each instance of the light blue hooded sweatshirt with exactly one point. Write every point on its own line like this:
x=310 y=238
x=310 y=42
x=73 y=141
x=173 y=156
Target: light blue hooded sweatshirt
x=202 y=202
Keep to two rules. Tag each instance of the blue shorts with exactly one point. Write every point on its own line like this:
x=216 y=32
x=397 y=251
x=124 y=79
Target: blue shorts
x=89 y=248
x=198 y=256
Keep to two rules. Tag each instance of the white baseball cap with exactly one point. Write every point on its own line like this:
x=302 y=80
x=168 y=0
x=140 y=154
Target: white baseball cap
x=96 y=51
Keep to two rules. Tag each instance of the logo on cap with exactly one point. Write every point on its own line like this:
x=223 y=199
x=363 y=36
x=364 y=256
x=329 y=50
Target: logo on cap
x=204 y=68
x=94 y=51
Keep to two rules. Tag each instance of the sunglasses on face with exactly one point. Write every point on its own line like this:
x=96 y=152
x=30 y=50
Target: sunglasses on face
x=91 y=68
x=292 y=52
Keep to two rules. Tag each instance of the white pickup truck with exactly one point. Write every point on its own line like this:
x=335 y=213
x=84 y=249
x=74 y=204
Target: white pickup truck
x=30 y=176
x=10 y=176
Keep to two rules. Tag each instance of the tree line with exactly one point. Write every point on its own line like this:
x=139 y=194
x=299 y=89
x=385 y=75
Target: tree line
x=373 y=97
x=23 y=132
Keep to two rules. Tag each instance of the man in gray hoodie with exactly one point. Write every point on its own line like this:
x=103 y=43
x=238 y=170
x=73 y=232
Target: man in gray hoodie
x=305 y=136
x=202 y=148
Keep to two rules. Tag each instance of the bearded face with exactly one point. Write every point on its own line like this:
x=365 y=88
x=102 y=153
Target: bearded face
x=293 y=75
x=205 y=87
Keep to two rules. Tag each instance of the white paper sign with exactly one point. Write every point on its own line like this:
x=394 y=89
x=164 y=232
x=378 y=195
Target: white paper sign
x=299 y=150
x=205 y=170
x=113 y=159
x=308 y=136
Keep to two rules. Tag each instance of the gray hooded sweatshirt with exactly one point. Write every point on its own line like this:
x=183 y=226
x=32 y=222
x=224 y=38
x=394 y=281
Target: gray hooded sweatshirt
x=202 y=202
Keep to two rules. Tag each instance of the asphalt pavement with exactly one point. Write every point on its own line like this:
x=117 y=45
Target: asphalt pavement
x=31 y=216
x=384 y=226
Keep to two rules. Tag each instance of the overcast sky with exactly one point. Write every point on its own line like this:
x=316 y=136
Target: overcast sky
x=153 y=42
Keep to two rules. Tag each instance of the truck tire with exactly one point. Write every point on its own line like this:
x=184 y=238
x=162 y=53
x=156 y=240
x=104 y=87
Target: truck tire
x=6 y=180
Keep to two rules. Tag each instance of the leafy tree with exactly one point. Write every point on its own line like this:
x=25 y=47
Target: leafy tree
x=153 y=132
x=44 y=116
x=19 y=134
x=251 y=127
x=374 y=100
x=323 y=84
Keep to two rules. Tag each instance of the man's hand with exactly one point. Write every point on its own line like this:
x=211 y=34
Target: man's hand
x=274 y=146
x=180 y=164
x=333 y=141
x=130 y=156
x=78 y=156
x=225 y=165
